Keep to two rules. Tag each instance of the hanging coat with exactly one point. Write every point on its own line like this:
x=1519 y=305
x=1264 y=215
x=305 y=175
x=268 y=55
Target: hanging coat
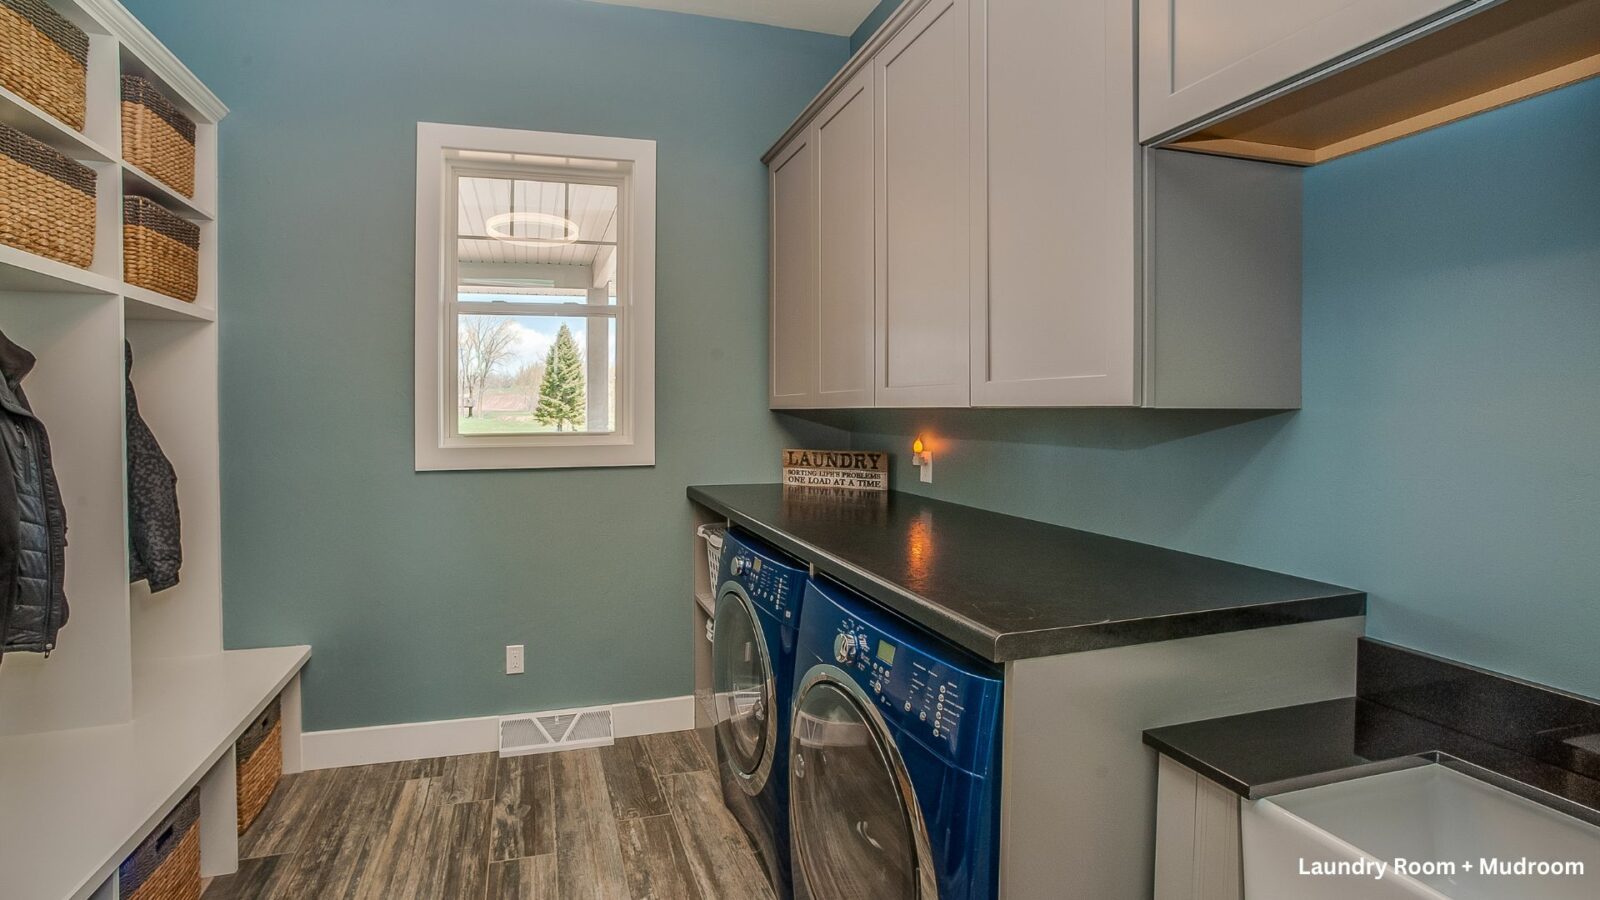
x=33 y=520
x=155 y=541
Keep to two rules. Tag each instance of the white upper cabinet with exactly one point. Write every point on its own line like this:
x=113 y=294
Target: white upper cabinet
x=795 y=274
x=974 y=178
x=847 y=340
x=1060 y=327
x=923 y=228
x=1199 y=57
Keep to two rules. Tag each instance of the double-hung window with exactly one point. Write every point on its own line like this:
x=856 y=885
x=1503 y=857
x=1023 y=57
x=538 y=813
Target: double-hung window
x=535 y=299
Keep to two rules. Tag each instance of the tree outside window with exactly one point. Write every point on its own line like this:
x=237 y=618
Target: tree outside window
x=561 y=393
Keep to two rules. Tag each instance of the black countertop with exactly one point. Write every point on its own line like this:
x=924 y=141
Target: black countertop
x=1008 y=588
x=1541 y=743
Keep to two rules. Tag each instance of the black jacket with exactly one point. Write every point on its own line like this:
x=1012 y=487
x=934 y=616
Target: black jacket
x=33 y=521
x=155 y=546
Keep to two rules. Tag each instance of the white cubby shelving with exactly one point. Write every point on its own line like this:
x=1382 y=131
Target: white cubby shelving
x=140 y=702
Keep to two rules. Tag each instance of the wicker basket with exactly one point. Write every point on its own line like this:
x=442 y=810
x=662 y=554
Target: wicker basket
x=44 y=58
x=260 y=758
x=159 y=250
x=166 y=865
x=156 y=137
x=46 y=200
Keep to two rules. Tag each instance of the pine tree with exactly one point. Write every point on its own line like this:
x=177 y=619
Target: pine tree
x=561 y=393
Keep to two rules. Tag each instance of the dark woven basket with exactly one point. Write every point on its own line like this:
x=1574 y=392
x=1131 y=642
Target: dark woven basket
x=46 y=200
x=166 y=864
x=44 y=58
x=160 y=251
x=260 y=763
x=156 y=136
x=255 y=734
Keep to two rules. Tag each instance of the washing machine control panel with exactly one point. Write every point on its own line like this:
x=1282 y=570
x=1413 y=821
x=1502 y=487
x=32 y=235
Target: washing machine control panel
x=914 y=691
x=774 y=586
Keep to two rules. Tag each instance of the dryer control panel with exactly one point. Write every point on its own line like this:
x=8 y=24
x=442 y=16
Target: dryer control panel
x=774 y=583
x=919 y=686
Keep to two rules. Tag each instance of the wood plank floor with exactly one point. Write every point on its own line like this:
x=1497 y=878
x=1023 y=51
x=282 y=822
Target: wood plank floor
x=641 y=819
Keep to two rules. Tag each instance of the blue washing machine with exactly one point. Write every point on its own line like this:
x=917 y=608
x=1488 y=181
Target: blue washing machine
x=894 y=758
x=759 y=594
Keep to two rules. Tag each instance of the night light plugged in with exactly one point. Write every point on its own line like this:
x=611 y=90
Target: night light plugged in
x=922 y=458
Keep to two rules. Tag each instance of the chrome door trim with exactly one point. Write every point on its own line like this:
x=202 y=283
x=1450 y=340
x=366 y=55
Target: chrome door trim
x=825 y=673
x=752 y=782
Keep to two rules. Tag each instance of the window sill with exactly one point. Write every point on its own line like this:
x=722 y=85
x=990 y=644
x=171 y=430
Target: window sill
x=578 y=456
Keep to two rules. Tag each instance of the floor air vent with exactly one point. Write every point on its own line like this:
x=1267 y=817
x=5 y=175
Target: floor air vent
x=547 y=732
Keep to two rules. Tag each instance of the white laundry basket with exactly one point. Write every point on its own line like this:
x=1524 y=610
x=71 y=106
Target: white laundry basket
x=713 y=535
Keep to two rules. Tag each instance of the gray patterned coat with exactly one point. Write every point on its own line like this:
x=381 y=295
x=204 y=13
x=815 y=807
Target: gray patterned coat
x=155 y=542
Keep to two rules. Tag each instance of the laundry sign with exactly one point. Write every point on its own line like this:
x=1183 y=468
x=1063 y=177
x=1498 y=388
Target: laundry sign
x=856 y=469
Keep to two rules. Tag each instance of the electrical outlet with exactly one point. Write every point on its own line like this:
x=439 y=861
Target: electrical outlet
x=513 y=659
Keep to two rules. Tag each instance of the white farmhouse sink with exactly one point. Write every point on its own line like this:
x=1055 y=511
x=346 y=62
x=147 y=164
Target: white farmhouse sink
x=1447 y=823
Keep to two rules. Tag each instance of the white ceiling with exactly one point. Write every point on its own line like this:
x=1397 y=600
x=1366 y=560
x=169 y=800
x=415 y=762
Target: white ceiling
x=827 y=16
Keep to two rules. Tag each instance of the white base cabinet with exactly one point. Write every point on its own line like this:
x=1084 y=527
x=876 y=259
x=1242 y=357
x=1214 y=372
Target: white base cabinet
x=1021 y=250
x=1198 y=854
x=1079 y=789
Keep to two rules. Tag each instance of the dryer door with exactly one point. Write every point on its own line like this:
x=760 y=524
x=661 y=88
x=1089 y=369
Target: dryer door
x=745 y=694
x=855 y=825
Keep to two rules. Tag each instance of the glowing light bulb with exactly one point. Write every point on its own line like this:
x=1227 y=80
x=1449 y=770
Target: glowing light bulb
x=916 y=446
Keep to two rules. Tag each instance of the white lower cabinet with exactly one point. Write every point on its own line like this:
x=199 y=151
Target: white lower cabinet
x=1198 y=854
x=1022 y=242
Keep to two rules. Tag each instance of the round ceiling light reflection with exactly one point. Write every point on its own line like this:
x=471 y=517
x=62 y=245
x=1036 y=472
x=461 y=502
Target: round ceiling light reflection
x=497 y=227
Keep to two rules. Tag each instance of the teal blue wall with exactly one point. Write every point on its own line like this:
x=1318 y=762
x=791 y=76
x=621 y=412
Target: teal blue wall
x=871 y=22
x=409 y=585
x=1447 y=458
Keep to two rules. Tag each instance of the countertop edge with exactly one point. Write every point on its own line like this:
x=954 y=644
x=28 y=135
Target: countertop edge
x=1132 y=632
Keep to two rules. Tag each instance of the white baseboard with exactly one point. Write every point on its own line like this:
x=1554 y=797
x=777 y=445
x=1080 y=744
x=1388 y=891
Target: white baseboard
x=653 y=716
x=480 y=734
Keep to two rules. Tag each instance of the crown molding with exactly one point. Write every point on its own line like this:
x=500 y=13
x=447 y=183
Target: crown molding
x=156 y=57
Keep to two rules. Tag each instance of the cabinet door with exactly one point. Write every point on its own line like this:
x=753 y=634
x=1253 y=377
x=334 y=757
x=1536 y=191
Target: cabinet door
x=846 y=340
x=923 y=184
x=795 y=274
x=1198 y=57
x=1060 y=324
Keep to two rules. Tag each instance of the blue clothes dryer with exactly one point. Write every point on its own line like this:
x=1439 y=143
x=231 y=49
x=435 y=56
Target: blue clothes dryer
x=759 y=594
x=894 y=758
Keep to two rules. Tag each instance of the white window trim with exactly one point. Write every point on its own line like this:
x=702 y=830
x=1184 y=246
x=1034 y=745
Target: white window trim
x=632 y=443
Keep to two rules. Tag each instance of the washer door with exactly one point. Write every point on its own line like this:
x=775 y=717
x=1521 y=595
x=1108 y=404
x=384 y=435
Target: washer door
x=741 y=680
x=854 y=822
